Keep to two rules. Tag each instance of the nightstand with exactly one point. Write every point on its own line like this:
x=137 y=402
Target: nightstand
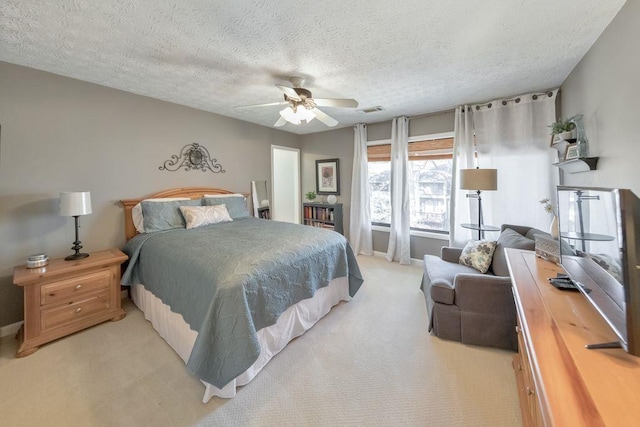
x=67 y=296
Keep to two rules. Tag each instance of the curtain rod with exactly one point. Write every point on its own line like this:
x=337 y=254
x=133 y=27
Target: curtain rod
x=517 y=99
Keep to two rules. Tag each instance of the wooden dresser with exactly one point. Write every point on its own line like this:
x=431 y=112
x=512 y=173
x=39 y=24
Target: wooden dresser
x=67 y=296
x=560 y=382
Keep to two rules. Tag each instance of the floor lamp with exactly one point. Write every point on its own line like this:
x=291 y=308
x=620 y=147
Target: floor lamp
x=478 y=180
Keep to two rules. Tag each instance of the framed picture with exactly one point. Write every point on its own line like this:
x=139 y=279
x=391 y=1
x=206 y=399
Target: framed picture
x=571 y=152
x=328 y=176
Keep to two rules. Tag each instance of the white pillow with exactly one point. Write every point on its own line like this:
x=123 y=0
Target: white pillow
x=136 y=212
x=197 y=216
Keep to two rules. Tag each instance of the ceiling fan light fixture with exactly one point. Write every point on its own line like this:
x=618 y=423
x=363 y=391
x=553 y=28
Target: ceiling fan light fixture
x=296 y=117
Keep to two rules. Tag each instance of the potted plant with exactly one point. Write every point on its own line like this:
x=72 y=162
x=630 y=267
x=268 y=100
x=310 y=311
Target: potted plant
x=563 y=130
x=311 y=196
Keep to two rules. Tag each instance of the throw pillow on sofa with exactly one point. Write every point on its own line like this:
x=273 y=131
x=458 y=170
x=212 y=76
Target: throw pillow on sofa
x=478 y=254
x=566 y=247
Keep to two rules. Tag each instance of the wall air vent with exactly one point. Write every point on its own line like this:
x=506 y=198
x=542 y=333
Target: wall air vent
x=372 y=109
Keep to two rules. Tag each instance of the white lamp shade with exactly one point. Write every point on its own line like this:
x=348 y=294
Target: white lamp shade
x=479 y=179
x=75 y=203
x=296 y=117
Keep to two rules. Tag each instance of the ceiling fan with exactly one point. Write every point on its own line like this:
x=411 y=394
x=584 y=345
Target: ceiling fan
x=302 y=106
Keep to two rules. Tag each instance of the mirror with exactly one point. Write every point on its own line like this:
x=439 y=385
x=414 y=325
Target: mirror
x=260 y=199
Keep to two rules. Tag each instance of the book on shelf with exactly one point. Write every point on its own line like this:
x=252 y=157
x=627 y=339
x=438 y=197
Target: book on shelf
x=327 y=216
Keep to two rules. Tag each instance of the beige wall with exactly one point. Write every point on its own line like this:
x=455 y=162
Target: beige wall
x=339 y=143
x=60 y=134
x=605 y=88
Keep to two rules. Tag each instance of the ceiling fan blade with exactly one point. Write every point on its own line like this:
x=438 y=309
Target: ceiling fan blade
x=280 y=122
x=333 y=102
x=262 y=105
x=324 y=118
x=289 y=92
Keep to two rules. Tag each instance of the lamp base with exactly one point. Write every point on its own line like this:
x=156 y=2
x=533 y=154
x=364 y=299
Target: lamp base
x=76 y=256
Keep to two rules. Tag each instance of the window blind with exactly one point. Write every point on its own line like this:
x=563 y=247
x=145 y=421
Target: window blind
x=432 y=149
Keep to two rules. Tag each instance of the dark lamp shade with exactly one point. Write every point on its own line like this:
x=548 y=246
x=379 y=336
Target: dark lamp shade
x=75 y=203
x=479 y=179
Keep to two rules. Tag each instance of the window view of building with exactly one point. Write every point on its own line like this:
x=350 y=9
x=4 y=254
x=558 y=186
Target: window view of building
x=380 y=192
x=430 y=165
x=430 y=194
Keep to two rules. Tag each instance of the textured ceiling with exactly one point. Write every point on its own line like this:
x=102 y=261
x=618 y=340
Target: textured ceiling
x=411 y=57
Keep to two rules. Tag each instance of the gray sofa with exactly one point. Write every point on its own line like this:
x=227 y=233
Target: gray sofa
x=468 y=306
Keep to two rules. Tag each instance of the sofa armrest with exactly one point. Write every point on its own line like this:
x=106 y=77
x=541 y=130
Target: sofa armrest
x=449 y=254
x=483 y=293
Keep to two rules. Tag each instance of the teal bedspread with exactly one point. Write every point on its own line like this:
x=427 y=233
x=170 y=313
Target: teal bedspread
x=232 y=279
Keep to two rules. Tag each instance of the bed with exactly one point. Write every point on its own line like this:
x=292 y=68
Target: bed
x=229 y=295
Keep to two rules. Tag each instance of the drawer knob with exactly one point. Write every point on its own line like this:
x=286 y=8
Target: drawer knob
x=530 y=391
x=517 y=329
x=78 y=310
x=78 y=286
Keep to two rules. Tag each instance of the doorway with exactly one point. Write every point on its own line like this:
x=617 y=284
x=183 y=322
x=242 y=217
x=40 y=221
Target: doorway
x=285 y=184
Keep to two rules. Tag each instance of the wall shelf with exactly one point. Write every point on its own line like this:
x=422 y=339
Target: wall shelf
x=583 y=164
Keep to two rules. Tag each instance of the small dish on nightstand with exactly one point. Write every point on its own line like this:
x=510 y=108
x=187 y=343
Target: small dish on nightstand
x=37 y=260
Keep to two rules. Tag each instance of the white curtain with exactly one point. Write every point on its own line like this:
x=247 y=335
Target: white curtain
x=512 y=136
x=360 y=215
x=463 y=158
x=399 y=237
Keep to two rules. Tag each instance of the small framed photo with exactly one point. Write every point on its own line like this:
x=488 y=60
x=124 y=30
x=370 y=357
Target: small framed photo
x=328 y=176
x=571 y=152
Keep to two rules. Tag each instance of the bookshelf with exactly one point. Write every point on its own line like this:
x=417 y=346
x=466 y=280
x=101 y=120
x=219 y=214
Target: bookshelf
x=323 y=215
x=264 y=213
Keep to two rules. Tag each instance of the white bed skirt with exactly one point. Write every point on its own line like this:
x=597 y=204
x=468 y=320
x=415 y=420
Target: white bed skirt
x=292 y=323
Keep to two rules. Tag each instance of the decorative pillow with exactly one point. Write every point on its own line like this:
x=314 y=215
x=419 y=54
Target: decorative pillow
x=478 y=254
x=197 y=216
x=509 y=238
x=236 y=206
x=164 y=215
x=566 y=247
x=136 y=212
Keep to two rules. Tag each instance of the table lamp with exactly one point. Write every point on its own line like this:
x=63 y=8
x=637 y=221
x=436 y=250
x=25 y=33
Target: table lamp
x=75 y=204
x=478 y=180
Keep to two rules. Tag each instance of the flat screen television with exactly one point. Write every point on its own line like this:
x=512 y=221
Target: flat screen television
x=599 y=230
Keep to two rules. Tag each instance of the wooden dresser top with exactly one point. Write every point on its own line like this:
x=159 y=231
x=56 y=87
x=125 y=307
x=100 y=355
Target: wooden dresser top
x=59 y=267
x=576 y=386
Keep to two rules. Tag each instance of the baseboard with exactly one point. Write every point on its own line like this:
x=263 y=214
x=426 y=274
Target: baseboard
x=416 y=262
x=11 y=329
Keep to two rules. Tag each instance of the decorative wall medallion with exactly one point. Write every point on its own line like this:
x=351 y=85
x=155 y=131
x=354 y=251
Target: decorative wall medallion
x=192 y=157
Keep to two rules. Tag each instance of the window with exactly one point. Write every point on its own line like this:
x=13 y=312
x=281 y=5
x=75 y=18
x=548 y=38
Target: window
x=430 y=162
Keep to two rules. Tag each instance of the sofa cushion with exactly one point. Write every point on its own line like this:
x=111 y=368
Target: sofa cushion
x=478 y=254
x=440 y=275
x=508 y=239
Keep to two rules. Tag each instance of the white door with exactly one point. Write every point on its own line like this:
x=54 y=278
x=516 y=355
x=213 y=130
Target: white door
x=285 y=184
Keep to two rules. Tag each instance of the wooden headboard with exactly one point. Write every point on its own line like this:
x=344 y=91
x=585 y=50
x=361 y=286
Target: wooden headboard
x=190 y=192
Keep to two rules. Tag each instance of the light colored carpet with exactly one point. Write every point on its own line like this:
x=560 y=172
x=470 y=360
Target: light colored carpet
x=368 y=362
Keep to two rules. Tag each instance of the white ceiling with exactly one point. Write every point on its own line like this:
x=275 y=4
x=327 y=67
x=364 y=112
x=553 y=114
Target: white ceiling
x=411 y=57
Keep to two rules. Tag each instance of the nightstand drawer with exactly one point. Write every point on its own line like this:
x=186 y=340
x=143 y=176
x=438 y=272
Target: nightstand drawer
x=66 y=314
x=67 y=290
